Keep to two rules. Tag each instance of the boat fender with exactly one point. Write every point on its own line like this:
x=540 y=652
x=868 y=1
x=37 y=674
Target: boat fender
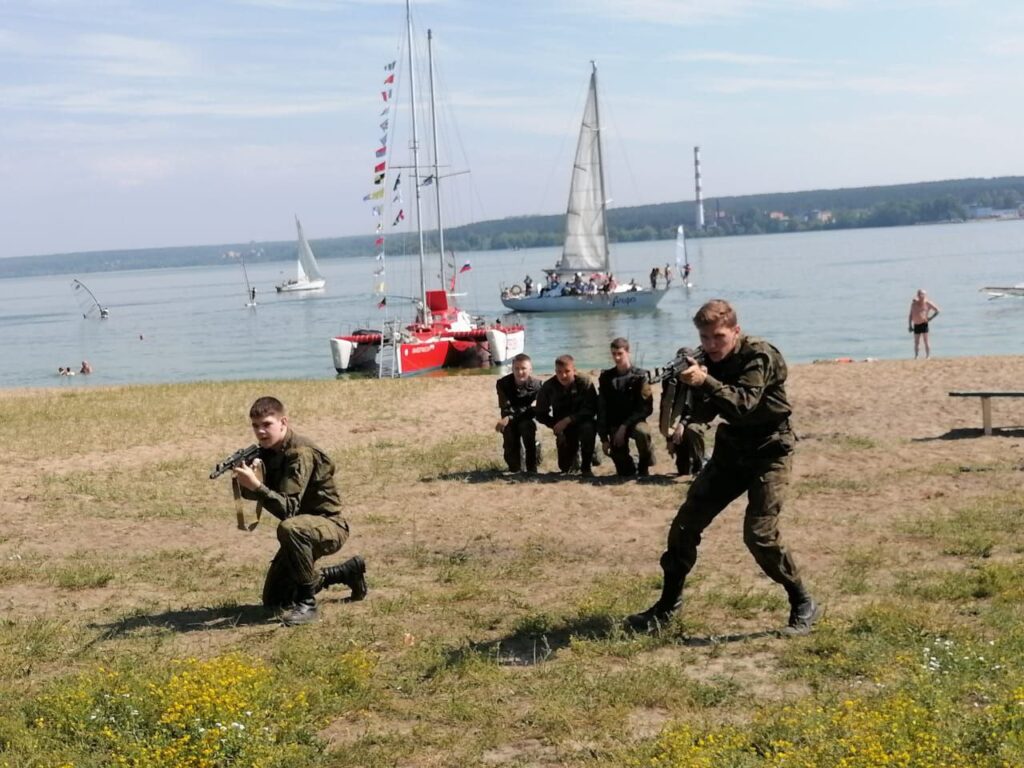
x=515 y=290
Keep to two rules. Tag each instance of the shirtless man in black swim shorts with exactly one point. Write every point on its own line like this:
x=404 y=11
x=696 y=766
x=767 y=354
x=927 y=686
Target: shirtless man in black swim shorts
x=922 y=311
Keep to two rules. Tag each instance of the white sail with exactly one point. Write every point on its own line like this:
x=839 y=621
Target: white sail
x=308 y=270
x=681 y=260
x=88 y=303
x=586 y=234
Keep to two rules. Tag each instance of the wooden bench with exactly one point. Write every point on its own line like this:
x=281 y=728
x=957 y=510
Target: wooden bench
x=986 y=405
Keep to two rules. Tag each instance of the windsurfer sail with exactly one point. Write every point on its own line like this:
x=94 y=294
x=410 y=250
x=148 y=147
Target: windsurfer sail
x=87 y=302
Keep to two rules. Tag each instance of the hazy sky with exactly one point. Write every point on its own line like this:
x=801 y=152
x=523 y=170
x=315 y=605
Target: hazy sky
x=149 y=123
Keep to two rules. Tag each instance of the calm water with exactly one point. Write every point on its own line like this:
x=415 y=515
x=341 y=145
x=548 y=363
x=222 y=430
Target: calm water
x=816 y=295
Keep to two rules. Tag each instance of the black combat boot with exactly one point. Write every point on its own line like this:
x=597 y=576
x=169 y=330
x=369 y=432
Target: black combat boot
x=303 y=610
x=660 y=614
x=351 y=573
x=804 y=611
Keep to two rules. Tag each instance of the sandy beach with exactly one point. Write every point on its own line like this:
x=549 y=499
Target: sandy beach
x=460 y=552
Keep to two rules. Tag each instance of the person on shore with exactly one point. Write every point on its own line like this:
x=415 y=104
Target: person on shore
x=685 y=437
x=624 y=403
x=567 y=403
x=744 y=384
x=687 y=269
x=654 y=277
x=86 y=367
x=298 y=489
x=668 y=277
x=922 y=311
x=516 y=394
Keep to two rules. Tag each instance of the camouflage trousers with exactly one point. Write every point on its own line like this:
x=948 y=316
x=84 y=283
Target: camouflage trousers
x=304 y=539
x=640 y=434
x=689 y=453
x=725 y=478
x=576 y=440
x=519 y=440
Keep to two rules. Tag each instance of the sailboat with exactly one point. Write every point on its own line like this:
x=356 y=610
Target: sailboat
x=442 y=335
x=682 y=259
x=307 y=271
x=573 y=283
x=88 y=302
x=997 y=292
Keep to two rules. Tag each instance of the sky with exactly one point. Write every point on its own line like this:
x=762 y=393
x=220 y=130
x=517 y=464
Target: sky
x=147 y=123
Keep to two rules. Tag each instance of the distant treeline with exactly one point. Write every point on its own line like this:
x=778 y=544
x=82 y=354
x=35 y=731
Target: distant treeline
x=888 y=206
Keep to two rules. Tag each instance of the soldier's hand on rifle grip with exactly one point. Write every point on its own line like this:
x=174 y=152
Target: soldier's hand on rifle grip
x=694 y=375
x=246 y=477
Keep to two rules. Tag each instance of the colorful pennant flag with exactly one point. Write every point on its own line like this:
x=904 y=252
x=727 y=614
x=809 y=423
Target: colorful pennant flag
x=398 y=180
x=390 y=67
x=379 y=242
x=384 y=125
x=378 y=179
x=382 y=151
x=379 y=168
x=375 y=211
x=382 y=303
x=389 y=79
x=398 y=218
x=374 y=195
x=427 y=181
x=465 y=267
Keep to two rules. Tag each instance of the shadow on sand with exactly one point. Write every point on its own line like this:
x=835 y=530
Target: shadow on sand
x=515 y=478
x=966 y=433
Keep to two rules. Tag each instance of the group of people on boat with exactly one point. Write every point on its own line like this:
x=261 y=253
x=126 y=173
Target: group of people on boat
x=598 y=282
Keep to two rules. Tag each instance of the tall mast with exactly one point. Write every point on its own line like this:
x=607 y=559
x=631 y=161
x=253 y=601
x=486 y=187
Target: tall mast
x=422 y=312
x=437 y=175
x=600 y=158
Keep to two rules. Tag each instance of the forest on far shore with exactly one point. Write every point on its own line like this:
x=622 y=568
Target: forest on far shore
x=883 y=206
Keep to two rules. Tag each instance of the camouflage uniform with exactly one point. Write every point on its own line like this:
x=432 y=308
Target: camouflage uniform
x=625 y=399
x=519 y=437
x=676 y=407
x=300 y=491
x=578 y=401
x=752 y=455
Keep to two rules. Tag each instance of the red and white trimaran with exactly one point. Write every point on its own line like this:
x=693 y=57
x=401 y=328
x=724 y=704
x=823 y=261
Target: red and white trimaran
x=442 y=335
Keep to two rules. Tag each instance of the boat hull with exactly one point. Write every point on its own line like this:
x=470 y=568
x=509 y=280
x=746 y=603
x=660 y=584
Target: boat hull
x=311 y=285
x=595 y=302
x=475 y=349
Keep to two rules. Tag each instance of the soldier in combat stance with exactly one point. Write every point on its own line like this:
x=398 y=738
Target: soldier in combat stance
x=744 y=384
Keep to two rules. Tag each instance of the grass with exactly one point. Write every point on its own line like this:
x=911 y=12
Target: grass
x=493 y=631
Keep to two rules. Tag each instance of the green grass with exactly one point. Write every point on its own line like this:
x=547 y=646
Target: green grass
x=493 y=639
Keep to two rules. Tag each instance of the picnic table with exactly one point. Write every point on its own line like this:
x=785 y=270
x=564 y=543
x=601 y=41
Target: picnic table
x=986 y=405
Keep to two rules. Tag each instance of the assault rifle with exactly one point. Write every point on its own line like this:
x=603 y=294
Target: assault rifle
x=236 y=459
x=684 y=358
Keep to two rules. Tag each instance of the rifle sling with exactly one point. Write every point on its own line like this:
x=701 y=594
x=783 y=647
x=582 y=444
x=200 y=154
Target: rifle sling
x=236 y=491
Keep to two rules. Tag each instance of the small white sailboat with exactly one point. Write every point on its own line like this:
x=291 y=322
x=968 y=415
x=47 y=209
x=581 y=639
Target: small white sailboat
x=88 y=302
x=682 y=260
x=573 y=283
x=308 y=276
x=998 y=292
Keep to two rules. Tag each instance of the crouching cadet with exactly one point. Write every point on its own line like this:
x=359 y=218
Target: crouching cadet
x=516 y=393
x=300 y=491
x=744 y=384
x=567 y=402
x=624 y=403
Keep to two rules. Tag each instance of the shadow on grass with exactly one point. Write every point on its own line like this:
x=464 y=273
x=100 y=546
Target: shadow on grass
x=516 y=478
x=529 y=647
x=966 y=433
x=694 y=641
x=187 y=620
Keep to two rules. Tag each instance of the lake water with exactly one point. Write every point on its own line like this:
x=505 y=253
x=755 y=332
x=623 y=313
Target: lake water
x=815 y=295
